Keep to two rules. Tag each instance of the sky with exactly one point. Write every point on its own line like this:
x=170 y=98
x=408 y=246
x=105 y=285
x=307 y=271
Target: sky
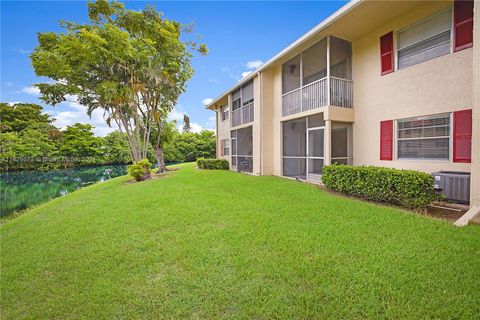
x=240 y=37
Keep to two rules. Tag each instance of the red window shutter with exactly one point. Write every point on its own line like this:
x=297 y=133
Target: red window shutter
x=386 y=53
x=463 y=24
x=386 y=140
x=462 y=136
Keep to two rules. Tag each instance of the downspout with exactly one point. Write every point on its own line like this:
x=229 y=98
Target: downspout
x=216 y=133
x=259 y=75
x=475 y=167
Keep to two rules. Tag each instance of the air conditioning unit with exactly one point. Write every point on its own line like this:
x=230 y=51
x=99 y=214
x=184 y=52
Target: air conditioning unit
x=453 y=185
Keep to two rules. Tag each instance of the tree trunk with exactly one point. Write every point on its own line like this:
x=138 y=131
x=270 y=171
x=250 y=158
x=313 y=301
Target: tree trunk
x=160 y=159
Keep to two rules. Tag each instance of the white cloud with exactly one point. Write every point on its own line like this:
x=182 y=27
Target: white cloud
x=9 y=84
x=213 y=80
x=31 y=90
x=254 y=64
x=75 y=112
x=176 y=115
x=212 y=121
x=225 y=69
x=207 y=101
x=246 y=74
x=196 y=127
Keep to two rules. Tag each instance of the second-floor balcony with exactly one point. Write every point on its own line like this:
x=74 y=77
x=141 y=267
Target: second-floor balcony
x=318 y=77
x=243 y=104
x=242 y=115
x=316 y=95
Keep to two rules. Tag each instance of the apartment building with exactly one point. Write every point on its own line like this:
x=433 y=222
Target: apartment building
x=384 y=83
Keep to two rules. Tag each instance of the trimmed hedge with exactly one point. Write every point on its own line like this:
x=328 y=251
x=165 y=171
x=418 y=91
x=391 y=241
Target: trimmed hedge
x=213 y=164
x=407 y=188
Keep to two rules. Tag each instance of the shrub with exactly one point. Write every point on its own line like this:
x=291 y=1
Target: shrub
x=407 y=188
x=140 y=170
x=212 y=164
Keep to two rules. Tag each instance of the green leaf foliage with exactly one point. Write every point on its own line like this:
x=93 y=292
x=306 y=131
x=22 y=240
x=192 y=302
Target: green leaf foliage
x=131 y=64
x=407 y=188
x=140 y=170
x=212 y=164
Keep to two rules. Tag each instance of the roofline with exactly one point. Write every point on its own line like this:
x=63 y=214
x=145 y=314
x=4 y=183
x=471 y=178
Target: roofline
x=319 y=27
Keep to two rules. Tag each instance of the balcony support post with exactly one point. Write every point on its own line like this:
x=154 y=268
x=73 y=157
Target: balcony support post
x=301 y=82
x=328 y=71
x=328 y=142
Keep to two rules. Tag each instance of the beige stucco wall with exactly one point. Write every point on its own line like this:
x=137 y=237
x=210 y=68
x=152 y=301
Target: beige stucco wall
x=436 y=86
x=277 y=164
x=256 y=129
x=223 y=132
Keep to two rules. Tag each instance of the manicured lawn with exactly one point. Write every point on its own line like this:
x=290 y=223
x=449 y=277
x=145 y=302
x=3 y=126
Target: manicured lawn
x=218 y=244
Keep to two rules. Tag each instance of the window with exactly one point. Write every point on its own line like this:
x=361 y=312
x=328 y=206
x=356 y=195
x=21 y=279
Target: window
x=424 y=138
x=247 y=93
x=236 y=100
x=225 y=147
x=425 y=40
x=224 y=113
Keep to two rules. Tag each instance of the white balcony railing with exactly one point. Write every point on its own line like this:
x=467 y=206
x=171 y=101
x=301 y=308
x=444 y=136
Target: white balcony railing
x=314 y=95
x=341 y=92
x=242 y=115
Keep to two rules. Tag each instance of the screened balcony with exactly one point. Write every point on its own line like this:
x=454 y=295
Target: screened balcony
x=242 y=105
x=318 y=77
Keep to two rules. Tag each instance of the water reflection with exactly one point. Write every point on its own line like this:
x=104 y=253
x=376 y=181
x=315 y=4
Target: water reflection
x=21 y=190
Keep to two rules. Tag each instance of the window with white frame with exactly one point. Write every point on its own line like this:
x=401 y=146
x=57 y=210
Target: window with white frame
x=225 y=147
x=424 y=138
x=224 y=113
x=236 y=99
x=425 y=40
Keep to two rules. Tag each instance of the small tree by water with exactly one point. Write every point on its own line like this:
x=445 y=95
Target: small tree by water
x=131 y=64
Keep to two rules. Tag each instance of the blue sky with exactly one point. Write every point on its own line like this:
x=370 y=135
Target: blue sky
x=239 y=35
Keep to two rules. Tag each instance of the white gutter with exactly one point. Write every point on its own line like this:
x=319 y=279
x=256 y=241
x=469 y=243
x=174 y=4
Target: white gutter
x=319 y=27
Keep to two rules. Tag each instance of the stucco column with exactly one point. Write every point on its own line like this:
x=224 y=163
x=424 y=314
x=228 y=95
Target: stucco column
x=216 y=133
x=475 y=170
x=256 y=129
x=328 y=142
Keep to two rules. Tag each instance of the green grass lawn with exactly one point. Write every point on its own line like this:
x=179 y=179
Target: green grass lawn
x=219 y=244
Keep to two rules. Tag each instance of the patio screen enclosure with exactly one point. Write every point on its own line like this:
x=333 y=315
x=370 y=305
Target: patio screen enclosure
x=304 y=146
x=242 y=149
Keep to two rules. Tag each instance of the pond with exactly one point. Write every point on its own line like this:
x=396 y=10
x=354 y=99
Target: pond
x=24 y=189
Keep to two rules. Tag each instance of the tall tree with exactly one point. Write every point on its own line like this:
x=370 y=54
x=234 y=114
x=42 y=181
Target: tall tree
x=160 y=139
x=131 y=64
x=186 y=124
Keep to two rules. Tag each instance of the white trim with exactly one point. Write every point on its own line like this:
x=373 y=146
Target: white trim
x=431 y=116
x=412 y=25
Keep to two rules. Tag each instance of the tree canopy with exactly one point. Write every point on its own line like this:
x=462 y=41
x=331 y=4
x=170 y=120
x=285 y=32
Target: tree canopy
x=131 y=64
x=30 y=140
